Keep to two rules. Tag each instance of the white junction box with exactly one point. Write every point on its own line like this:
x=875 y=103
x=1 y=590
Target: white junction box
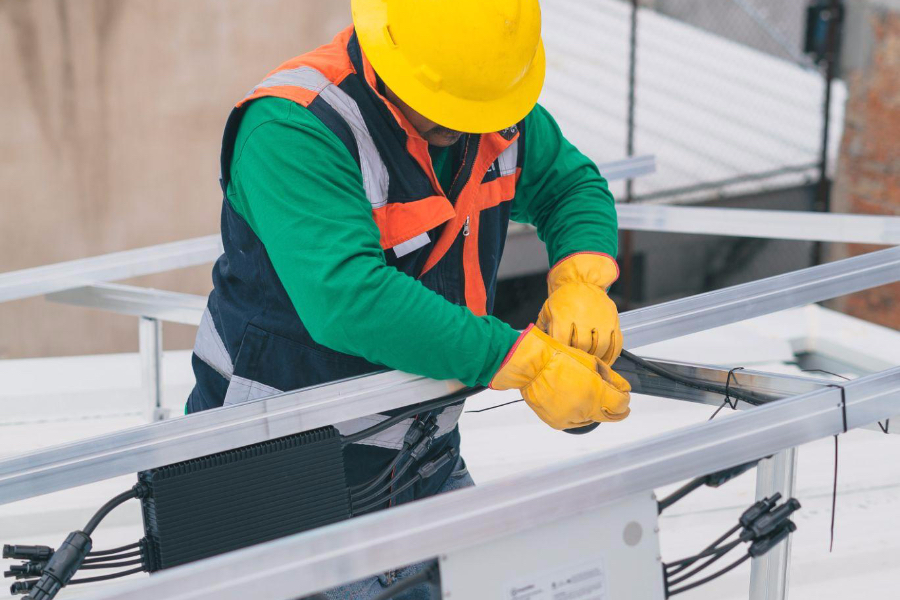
x=611 y=553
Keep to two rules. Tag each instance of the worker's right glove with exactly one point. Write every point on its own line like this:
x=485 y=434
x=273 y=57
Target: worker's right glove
x=566 y=387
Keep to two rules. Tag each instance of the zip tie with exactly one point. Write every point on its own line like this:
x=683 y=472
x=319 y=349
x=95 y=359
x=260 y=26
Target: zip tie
x=886 y=428
x=728 y=399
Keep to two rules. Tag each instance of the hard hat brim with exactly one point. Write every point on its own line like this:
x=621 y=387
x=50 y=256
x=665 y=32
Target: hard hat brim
x=460 y=114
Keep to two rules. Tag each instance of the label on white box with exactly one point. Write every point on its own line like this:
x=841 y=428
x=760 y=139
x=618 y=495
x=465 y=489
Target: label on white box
x=584 y=581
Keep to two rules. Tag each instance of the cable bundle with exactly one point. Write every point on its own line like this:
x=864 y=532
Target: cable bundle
x=54 y=568
x=764 y=525
x=419 y=437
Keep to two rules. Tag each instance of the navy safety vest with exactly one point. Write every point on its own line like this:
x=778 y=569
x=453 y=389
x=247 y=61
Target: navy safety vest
x=252 y=344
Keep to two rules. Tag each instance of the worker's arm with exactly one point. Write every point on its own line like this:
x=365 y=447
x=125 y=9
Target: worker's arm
x=562 y=193
x=302 y=194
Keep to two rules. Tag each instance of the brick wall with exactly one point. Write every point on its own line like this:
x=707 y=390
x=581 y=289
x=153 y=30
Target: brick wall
x=867 y=179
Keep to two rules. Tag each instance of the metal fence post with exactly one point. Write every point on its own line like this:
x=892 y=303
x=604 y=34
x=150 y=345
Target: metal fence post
x=150 y=344
x=769 y=574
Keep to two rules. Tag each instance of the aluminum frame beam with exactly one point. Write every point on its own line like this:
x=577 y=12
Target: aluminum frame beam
x=172 y=307
x=770 y=224
x=329 y=556
x=197 y=435
x=764 y=296
x=26 y=283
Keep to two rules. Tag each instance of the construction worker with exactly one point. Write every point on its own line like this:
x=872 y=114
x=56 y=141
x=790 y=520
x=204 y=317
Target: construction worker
x=368 y=188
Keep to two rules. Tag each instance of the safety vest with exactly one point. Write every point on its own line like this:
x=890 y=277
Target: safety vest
x=251 y=343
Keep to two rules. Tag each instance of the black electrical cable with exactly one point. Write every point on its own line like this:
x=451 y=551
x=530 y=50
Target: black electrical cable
x=746 y=396
x=680 y=493
x=419 y=408
x=110 y=558
x=362 y=488
x=716 y=556
x=709 y=578
x=108 y=507
x=684 y=563
x=495 y=406
x=106 y=577
x=429 y=576
x=391 y=496
x=114 y=550
x=112 y=565
x=369 y=497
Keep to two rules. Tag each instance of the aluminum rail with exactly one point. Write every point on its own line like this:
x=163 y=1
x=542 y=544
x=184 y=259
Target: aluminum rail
x=823 y=227
x=204 y=433
x=320 y=559
x=25 y=283
x=772 y=224
x=773 y=385
x=173 y=307
x=737 y=303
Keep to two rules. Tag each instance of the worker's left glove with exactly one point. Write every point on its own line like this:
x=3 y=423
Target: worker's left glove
x=578 y=311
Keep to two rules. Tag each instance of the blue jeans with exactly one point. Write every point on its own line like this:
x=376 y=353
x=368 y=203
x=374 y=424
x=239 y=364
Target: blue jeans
x=368 y=588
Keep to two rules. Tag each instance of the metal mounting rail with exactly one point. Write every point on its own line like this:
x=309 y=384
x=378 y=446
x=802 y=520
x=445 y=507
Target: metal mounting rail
x=204 y=433
x=773 y=385
x=26 y=283
x=173 y=307
x=772 y=224
x=320 y=559
x=737 y=303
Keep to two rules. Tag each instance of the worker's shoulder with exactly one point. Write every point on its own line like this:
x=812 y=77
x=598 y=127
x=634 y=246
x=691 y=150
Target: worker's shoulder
x=274 y=110
x=276 y=122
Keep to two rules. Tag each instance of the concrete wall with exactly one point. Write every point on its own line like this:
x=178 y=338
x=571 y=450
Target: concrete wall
x=868 y=173
x=111 y=119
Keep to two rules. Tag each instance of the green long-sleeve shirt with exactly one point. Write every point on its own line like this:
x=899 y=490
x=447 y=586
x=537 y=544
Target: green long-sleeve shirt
x=314 y=219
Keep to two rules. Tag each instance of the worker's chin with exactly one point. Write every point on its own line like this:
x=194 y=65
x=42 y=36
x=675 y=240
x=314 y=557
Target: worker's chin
x=442 y=139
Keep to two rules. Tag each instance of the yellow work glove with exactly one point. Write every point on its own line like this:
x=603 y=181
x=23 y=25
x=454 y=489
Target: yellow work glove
x=566 y=387
x=578 y=312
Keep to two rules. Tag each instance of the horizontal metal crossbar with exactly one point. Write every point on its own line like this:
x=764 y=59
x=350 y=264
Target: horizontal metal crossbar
x=26 y=283
x=773 y=385
x=320 y=559
x=770 y=224
x=825 y=227
x=171 y=441
x=173 y=307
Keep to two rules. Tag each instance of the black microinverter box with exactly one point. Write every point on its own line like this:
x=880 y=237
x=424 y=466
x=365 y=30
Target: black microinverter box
x=206 y=506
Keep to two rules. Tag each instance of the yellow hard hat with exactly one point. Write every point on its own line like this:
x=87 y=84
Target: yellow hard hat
x=475 y=66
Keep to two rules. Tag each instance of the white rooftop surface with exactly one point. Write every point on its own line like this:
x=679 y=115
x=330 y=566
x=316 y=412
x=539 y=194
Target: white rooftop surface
x=51 y=401
x=710 y=109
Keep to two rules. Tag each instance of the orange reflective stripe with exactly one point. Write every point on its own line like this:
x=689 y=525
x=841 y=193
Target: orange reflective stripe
x=476 y=295
x=331 y=60
x=399 y=222
x=288 y=92
x=467 y=203
x=498 y=191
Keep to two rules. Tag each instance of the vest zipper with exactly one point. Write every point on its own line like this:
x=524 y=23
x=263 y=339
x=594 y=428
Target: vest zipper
x=466 y=227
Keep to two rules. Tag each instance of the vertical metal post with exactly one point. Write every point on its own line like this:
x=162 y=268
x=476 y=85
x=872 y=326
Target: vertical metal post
x=150 y=344
x=769 y=574
x=627 y=249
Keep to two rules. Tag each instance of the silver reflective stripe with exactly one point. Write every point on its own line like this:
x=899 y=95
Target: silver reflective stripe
x=408 y=246
x=508 y=159
x=210 y=348
x=392 y=438
x=374 y=173
x=244 y=390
